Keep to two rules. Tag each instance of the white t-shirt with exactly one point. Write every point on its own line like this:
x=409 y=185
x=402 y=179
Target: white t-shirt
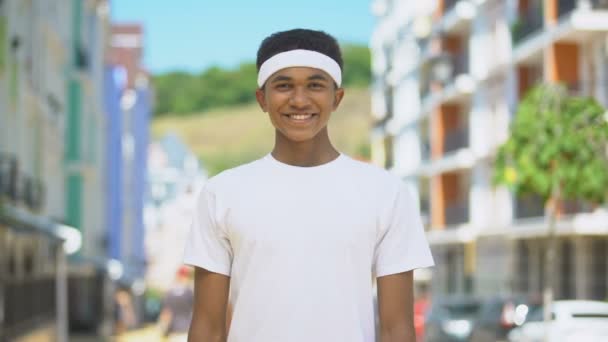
x=302 y=245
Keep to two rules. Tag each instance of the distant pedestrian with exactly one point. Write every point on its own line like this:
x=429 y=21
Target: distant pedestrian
x=125 y=318
x=176 y=311
x=292 y=242
x=421 y=306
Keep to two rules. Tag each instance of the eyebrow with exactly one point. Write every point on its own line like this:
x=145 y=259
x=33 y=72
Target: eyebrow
x=281 y=78
x=317 y=77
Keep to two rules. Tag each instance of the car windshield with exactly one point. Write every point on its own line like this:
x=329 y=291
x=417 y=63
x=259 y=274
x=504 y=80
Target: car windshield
x=460 y=310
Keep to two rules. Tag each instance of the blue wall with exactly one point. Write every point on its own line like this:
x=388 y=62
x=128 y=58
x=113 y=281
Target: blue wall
x=114 y=164
x=140 y=130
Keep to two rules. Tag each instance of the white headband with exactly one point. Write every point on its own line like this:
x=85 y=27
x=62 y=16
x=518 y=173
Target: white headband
x=299 y=58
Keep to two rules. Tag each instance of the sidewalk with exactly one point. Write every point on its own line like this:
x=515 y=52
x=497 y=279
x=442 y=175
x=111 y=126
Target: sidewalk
x=147 y=334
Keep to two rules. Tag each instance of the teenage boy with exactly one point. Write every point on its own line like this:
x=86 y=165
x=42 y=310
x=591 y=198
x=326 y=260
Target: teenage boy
x=292 y=242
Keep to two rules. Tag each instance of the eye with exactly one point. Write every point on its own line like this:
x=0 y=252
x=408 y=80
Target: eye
x=316 y=85
x=282 y=86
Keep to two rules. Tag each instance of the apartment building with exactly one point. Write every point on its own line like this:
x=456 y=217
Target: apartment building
x=51 y=175
x=448 y=76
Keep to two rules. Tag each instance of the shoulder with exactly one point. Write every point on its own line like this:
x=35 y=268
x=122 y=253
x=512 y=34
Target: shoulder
x=373 y=174
x=234 y=177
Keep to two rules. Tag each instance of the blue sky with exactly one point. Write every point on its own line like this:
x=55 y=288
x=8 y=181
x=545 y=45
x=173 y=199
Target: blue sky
x=195 y=34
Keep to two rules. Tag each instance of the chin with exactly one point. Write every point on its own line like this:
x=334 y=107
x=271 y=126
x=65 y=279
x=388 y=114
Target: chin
x=299 y=137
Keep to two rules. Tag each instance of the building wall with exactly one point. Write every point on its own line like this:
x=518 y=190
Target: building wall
x=129 y=121
x=40 y=118
x=502 y=67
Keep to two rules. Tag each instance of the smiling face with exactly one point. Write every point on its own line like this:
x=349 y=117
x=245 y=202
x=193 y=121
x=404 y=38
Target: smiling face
x=299 y=102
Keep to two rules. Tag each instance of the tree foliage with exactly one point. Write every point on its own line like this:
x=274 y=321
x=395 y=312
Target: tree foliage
x=556 y=137
x=184 y=93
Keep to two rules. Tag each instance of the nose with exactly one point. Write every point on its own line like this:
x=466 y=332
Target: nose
x=299 y=98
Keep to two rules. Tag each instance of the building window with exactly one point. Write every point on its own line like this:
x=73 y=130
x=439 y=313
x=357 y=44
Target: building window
x=566 y=270
x=523 y=269
x=599 y=269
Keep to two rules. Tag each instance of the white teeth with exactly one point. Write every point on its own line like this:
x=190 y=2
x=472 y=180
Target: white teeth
x=300 y=116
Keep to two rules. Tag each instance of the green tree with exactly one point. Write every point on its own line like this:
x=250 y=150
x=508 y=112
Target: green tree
x=357 y=65
x=182 y=93
x=557 y=149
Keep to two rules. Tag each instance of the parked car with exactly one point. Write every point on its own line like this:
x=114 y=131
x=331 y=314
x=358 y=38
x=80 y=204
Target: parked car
x=572 y=320
x=451 y=319
x=498 y=316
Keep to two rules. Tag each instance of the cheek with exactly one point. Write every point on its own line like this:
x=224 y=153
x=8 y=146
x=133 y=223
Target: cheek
x=274 y=102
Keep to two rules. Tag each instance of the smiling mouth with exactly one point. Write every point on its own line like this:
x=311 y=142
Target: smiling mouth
x=300 y=117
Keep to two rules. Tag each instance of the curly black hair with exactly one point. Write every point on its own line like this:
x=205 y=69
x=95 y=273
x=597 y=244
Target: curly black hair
x=299 y=39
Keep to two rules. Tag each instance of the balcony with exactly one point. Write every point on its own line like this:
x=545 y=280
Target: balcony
x=531 y=22
x=448 y=66
x=455 y=140
x=425 y=149
x=448 y=80
x=579 y=20
x=425 y=209
x=448 y=5
x=457 y=213
x=597 y=4
x=529 y=206
x=566 y=7
x=571 y=207
x=456 y=17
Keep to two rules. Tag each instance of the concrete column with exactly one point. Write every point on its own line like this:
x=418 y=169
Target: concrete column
x=551 y=11
x=482 y=211
x=600 y=60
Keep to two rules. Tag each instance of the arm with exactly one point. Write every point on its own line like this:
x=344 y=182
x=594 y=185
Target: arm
x=396 y=307
x=210 y=305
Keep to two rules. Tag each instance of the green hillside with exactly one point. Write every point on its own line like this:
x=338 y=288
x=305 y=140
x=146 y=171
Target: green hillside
x=226 y=137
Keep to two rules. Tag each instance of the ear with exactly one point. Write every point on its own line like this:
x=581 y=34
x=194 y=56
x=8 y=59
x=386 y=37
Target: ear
x=338 y=95
x=260 y=96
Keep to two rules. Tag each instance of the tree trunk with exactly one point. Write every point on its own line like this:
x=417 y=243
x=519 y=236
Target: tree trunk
x=549 y=257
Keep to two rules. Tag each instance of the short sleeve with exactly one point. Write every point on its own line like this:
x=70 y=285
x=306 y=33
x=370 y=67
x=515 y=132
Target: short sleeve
x=402 y=245
x=207 y=245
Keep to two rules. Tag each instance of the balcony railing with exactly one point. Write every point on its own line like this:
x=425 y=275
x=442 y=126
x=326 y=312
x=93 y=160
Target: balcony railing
x=456 y=139
x=425 y=88
x=461 y=64
x=425 y=209
x=596 y=4
x=457 y=213
x=425 y=149
x=448 y=5
x=529 y=206
x=531 y=22
x=30 y=304
x=565 y=7
x=575 y=207
x=449 y=65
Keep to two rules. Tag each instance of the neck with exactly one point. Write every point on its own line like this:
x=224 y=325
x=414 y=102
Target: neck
x=308 y=153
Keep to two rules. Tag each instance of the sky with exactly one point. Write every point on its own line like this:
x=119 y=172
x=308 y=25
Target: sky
x=193 y=35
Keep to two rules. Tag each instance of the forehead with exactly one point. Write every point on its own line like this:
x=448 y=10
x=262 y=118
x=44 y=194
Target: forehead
x=297 y=73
